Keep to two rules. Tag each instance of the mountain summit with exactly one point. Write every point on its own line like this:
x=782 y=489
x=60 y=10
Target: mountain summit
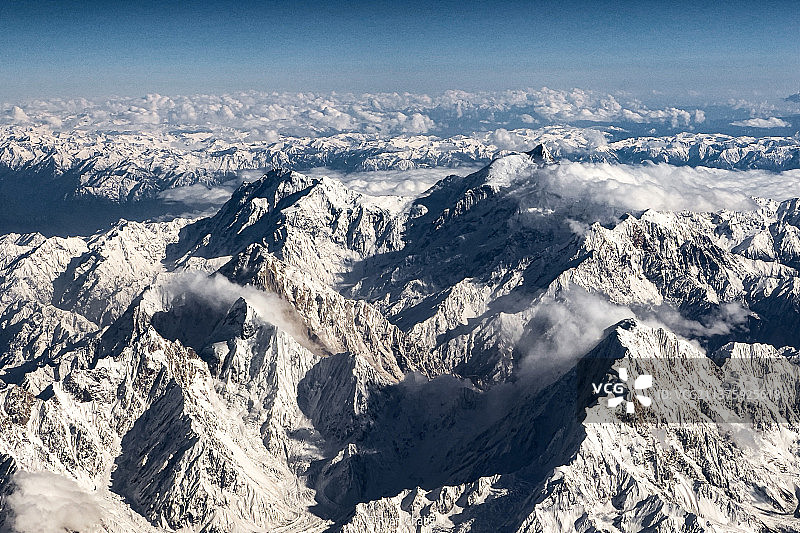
x=541 y=154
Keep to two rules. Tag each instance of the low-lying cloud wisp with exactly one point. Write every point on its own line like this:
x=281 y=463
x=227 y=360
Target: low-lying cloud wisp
x=564 y=328
x=44 y=502
x=219 y=293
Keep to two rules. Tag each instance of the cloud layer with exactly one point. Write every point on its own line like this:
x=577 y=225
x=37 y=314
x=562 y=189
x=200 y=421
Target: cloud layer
x=665 y=187
x=632 y=188
x=264 y=116
x=603 y=189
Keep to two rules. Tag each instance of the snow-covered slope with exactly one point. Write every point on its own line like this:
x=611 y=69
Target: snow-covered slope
x=311 y=358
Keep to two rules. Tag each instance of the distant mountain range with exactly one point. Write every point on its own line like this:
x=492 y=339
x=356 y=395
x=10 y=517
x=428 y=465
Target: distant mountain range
x=44 y=175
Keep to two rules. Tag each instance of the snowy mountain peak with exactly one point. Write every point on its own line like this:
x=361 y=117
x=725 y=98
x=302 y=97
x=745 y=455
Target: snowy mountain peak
x=541 y=154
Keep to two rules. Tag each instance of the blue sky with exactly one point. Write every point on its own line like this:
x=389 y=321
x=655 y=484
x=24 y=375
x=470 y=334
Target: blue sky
x=662 y=51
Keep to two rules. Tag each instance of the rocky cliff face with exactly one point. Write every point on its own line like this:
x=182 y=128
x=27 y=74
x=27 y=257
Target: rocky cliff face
x=310 y=358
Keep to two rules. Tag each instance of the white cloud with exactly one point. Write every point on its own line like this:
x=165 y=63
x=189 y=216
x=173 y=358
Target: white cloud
x=564 y=329
x=18 y=115
x=579 y=104
x=723 y=321
x=317 y=115
x=665 y=187
x=699 y=116
x=418 y=123
x=559 y=139
x=44 y=502
x=199 y=195
x=772 y=122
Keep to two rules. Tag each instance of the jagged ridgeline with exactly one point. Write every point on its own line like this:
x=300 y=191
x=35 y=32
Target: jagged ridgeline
x=310 y=358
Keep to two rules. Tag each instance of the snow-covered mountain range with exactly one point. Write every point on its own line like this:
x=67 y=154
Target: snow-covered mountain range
x=45 y=176
x=312 y=358
x=124 y=167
